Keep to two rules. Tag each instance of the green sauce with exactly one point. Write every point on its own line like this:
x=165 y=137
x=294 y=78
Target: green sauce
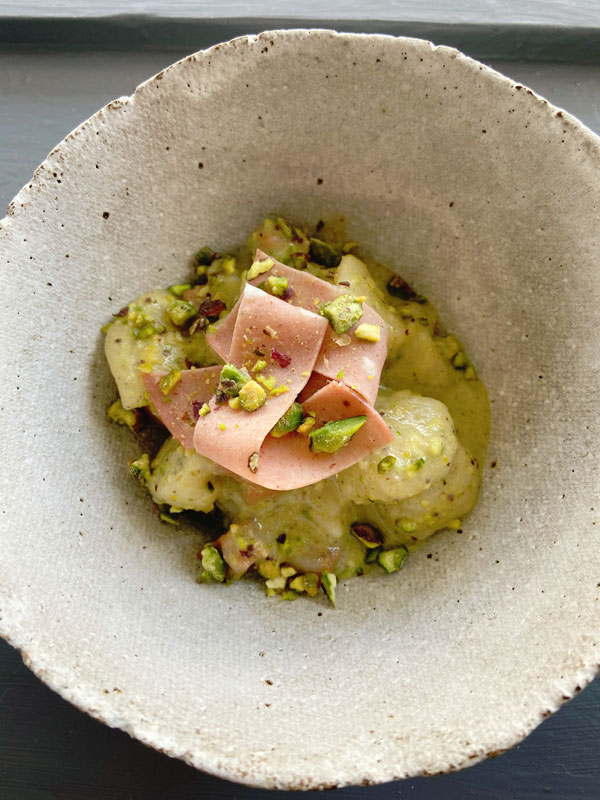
x=426 y=480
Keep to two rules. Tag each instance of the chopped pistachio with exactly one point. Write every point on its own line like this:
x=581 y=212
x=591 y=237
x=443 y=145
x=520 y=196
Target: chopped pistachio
x=279 y=390
x=104 y=328
x=349 y=246
x=136 y=317
x=282 y=360
x=164 y=516
x=297 y=584
x=140 y=469
x=329 y=581
x=277 y=583
x=181 y=312
x=416 y=466
x=269 y=569
x=252 y=396
x=204 y=410
x=288 y=422
x=145 y=332
x=259 y=267
x=343 y=312
x=268 y=382
x=222 y=426
x=289 y=595
x=179 y=288
x=288 y=571
x=470 y=374
x=123 y=416
x=368 y=332
x=454 y=524
x=259 y=366
x=230 y=374
x=369 y=535
x=459 y=361
x=143 y=324
x=406 y=525
x=332 y=436
x=392 y=560
x=305 y=426
x=282 y=241
x=311 y=583
x=397 y=287
x=448 y=345
x=340 y=375
x=276 y=286
x=324 y=254
x=308 y=583
x=228 y=265
x=205 y=256
x=372 y=555
x=253 y=462
x=215 y=268
x=213 y=563
x=285 y=227
x=235 y=403
x=169 y=381
x=386 y=464
x=148 y=329
x=270 y=332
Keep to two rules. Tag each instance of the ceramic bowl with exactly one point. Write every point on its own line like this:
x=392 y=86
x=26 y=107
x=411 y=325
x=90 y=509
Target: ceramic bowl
x=488 y=199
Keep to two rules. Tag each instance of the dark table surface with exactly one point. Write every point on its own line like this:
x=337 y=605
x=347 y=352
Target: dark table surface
x=51 y=751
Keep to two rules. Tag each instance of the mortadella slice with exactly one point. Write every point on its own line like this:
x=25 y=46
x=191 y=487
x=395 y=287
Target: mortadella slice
x=315 y=382
x=178 y=410
x=287 y=341
x=287 y=462
x=343 y=357
x=222 y=332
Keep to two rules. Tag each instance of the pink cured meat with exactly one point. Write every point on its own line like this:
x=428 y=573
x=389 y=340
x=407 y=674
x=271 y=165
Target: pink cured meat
x=288 y=463
x=263 y=324
x=222 y=336
x=178 y=410
x=356 y=362
x=315 y=382
x=302 y=466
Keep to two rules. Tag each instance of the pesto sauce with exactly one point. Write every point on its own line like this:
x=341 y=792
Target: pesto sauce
x=421 y=367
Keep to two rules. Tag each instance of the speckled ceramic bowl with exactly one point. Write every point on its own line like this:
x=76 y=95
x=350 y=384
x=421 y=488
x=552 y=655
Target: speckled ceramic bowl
x=489 y=198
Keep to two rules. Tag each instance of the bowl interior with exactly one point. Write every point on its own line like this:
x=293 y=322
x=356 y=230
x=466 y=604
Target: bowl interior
x=483 y=196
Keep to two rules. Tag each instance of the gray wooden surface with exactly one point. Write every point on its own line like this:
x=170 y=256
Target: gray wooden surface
x=564 y=13
x=51 y=751
x=565 y=31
